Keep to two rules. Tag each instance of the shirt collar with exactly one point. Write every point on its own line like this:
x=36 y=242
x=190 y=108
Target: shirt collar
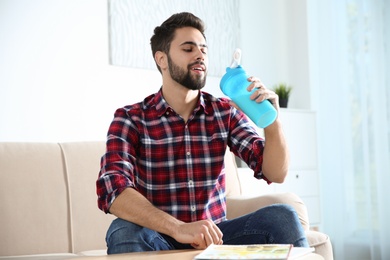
x=162 y=106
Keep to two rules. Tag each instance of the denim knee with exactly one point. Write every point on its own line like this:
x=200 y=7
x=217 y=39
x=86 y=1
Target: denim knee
x=285 y=225
x=124 y=237
x=275 y=224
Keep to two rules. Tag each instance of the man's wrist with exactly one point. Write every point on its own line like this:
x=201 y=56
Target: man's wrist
x=275 y=125
x=174 y=227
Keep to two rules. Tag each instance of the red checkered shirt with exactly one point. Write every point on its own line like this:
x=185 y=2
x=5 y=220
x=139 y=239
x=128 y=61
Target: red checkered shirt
x=178 y=166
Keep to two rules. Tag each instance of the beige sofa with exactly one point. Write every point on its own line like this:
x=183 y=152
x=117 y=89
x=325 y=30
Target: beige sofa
x=48 y=201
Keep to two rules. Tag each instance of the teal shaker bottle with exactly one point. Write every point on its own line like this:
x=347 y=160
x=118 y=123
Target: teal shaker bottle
x=234 y=85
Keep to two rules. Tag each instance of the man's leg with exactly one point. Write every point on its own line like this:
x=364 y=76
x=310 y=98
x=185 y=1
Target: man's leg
x=275 y=224
x=124 y=237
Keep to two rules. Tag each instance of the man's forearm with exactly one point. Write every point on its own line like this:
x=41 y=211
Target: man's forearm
x=276 y=155
x=132 y=206
x=198 y=234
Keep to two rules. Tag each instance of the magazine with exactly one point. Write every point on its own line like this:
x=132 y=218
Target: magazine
x=297 y=252
x=261 y=251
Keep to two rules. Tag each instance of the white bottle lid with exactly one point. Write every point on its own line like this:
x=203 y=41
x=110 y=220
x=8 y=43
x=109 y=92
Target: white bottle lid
x=236 y=59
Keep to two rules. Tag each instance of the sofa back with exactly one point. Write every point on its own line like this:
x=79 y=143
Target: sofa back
x=88 y=223
x=35 y=215
x=48 y=197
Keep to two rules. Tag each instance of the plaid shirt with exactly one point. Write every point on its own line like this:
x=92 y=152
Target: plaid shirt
x=178 y=166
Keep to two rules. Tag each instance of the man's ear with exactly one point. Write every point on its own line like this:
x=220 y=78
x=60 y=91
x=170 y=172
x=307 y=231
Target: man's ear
x=161 y=59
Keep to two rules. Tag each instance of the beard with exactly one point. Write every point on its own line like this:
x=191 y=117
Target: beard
x=184 y=78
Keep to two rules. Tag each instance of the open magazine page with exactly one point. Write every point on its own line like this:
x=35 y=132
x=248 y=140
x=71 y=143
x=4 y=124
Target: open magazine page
x=297 y=252
x=266 y=251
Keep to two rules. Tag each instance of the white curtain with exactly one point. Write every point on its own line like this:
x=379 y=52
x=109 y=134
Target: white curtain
x=349 y=46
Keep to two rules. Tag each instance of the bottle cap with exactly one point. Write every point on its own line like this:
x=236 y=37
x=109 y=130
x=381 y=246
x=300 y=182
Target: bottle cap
x=236 y=59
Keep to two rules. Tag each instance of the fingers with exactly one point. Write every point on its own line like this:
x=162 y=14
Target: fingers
x=211 y=234
x=200 y=234
x=216 y=234
x=259 y=91
x=234 y=104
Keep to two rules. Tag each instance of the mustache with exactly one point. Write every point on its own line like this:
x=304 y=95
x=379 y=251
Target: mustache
x=197 y=63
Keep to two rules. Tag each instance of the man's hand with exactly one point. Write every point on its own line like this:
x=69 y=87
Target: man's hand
x=199 y=234
x=261 y=92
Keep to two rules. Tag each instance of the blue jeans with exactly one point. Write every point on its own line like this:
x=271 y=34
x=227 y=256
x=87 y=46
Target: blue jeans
x=275 y=224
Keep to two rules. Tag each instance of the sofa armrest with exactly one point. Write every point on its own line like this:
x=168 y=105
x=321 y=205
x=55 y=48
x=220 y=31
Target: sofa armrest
x=321 y=243
x=241 y=205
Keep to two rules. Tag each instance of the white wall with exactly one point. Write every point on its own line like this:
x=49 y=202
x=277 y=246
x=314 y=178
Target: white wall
x=275 y=45
x=56 y=84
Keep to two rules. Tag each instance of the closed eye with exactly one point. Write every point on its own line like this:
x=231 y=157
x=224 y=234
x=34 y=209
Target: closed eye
x=189 y=47
x=190 y=50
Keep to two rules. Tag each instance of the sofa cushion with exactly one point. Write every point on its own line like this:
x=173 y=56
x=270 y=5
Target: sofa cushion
x=34 y=201
x=241 y=205
x=233 y=186
x=89 y=224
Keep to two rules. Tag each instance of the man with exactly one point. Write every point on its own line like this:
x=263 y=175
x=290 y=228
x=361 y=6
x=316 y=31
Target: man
x=163 y=173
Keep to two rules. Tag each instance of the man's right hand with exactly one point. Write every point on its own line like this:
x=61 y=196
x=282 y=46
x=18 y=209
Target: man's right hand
x=199 y=234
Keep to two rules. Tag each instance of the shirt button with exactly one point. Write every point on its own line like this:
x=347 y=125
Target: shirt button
x=188 y=153
x=190 y=183
x=193 y=208
x=167 y=113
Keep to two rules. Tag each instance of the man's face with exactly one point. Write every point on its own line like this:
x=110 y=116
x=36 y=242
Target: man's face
x=187 y=58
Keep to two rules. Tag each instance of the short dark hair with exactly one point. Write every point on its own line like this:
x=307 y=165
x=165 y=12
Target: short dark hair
x=164 y=34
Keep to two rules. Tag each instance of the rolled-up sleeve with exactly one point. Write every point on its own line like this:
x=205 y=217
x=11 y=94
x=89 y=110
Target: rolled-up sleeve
x=118 y=162
x=247 y=144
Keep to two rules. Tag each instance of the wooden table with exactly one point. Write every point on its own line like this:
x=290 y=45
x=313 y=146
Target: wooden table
x=170 y=255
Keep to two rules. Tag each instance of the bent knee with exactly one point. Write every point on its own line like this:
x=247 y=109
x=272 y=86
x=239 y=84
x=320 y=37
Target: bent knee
x=279 y=213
